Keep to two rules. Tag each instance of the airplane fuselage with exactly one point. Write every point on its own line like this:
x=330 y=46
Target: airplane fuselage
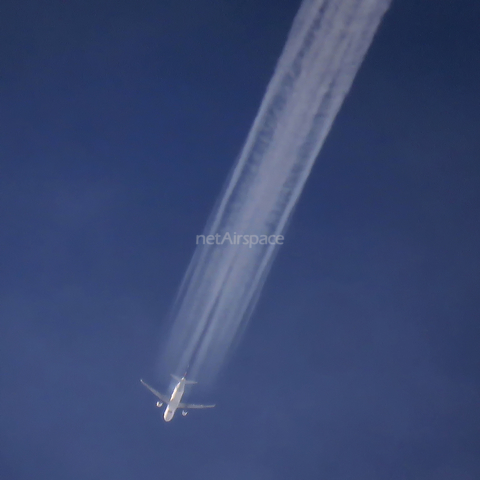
x=175 y=399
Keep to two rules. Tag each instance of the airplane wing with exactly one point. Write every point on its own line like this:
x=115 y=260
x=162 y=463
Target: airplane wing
x=162 y=397
x=191 y=405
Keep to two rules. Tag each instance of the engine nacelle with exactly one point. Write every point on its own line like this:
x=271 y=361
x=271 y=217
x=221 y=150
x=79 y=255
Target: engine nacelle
x=159 y=404
x=184 y=413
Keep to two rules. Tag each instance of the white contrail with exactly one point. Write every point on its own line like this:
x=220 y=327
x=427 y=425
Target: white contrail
x=325 y=47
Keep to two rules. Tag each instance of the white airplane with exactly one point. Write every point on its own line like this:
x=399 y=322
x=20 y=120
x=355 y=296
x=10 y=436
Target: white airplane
x=175 y=401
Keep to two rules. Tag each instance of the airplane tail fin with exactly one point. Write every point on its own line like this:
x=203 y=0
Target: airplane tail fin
x=178 y=379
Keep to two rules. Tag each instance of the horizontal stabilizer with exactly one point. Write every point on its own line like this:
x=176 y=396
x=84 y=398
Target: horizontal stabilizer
x=178 y=379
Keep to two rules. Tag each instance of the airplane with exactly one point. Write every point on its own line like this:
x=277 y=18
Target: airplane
x=174 y=401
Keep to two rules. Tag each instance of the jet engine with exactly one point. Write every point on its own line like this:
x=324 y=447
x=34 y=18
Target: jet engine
x=184 y=413
x=159 y=404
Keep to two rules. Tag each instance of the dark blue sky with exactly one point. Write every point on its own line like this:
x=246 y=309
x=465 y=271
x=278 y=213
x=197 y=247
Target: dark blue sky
x=119 y=122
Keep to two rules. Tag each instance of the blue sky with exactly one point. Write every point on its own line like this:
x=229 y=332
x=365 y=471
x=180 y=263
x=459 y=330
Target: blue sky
x=119 y=122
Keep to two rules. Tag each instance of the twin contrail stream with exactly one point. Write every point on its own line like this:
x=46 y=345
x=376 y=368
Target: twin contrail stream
x=325 y=47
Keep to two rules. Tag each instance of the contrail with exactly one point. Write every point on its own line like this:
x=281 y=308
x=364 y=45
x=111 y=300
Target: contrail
x=324 y=49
